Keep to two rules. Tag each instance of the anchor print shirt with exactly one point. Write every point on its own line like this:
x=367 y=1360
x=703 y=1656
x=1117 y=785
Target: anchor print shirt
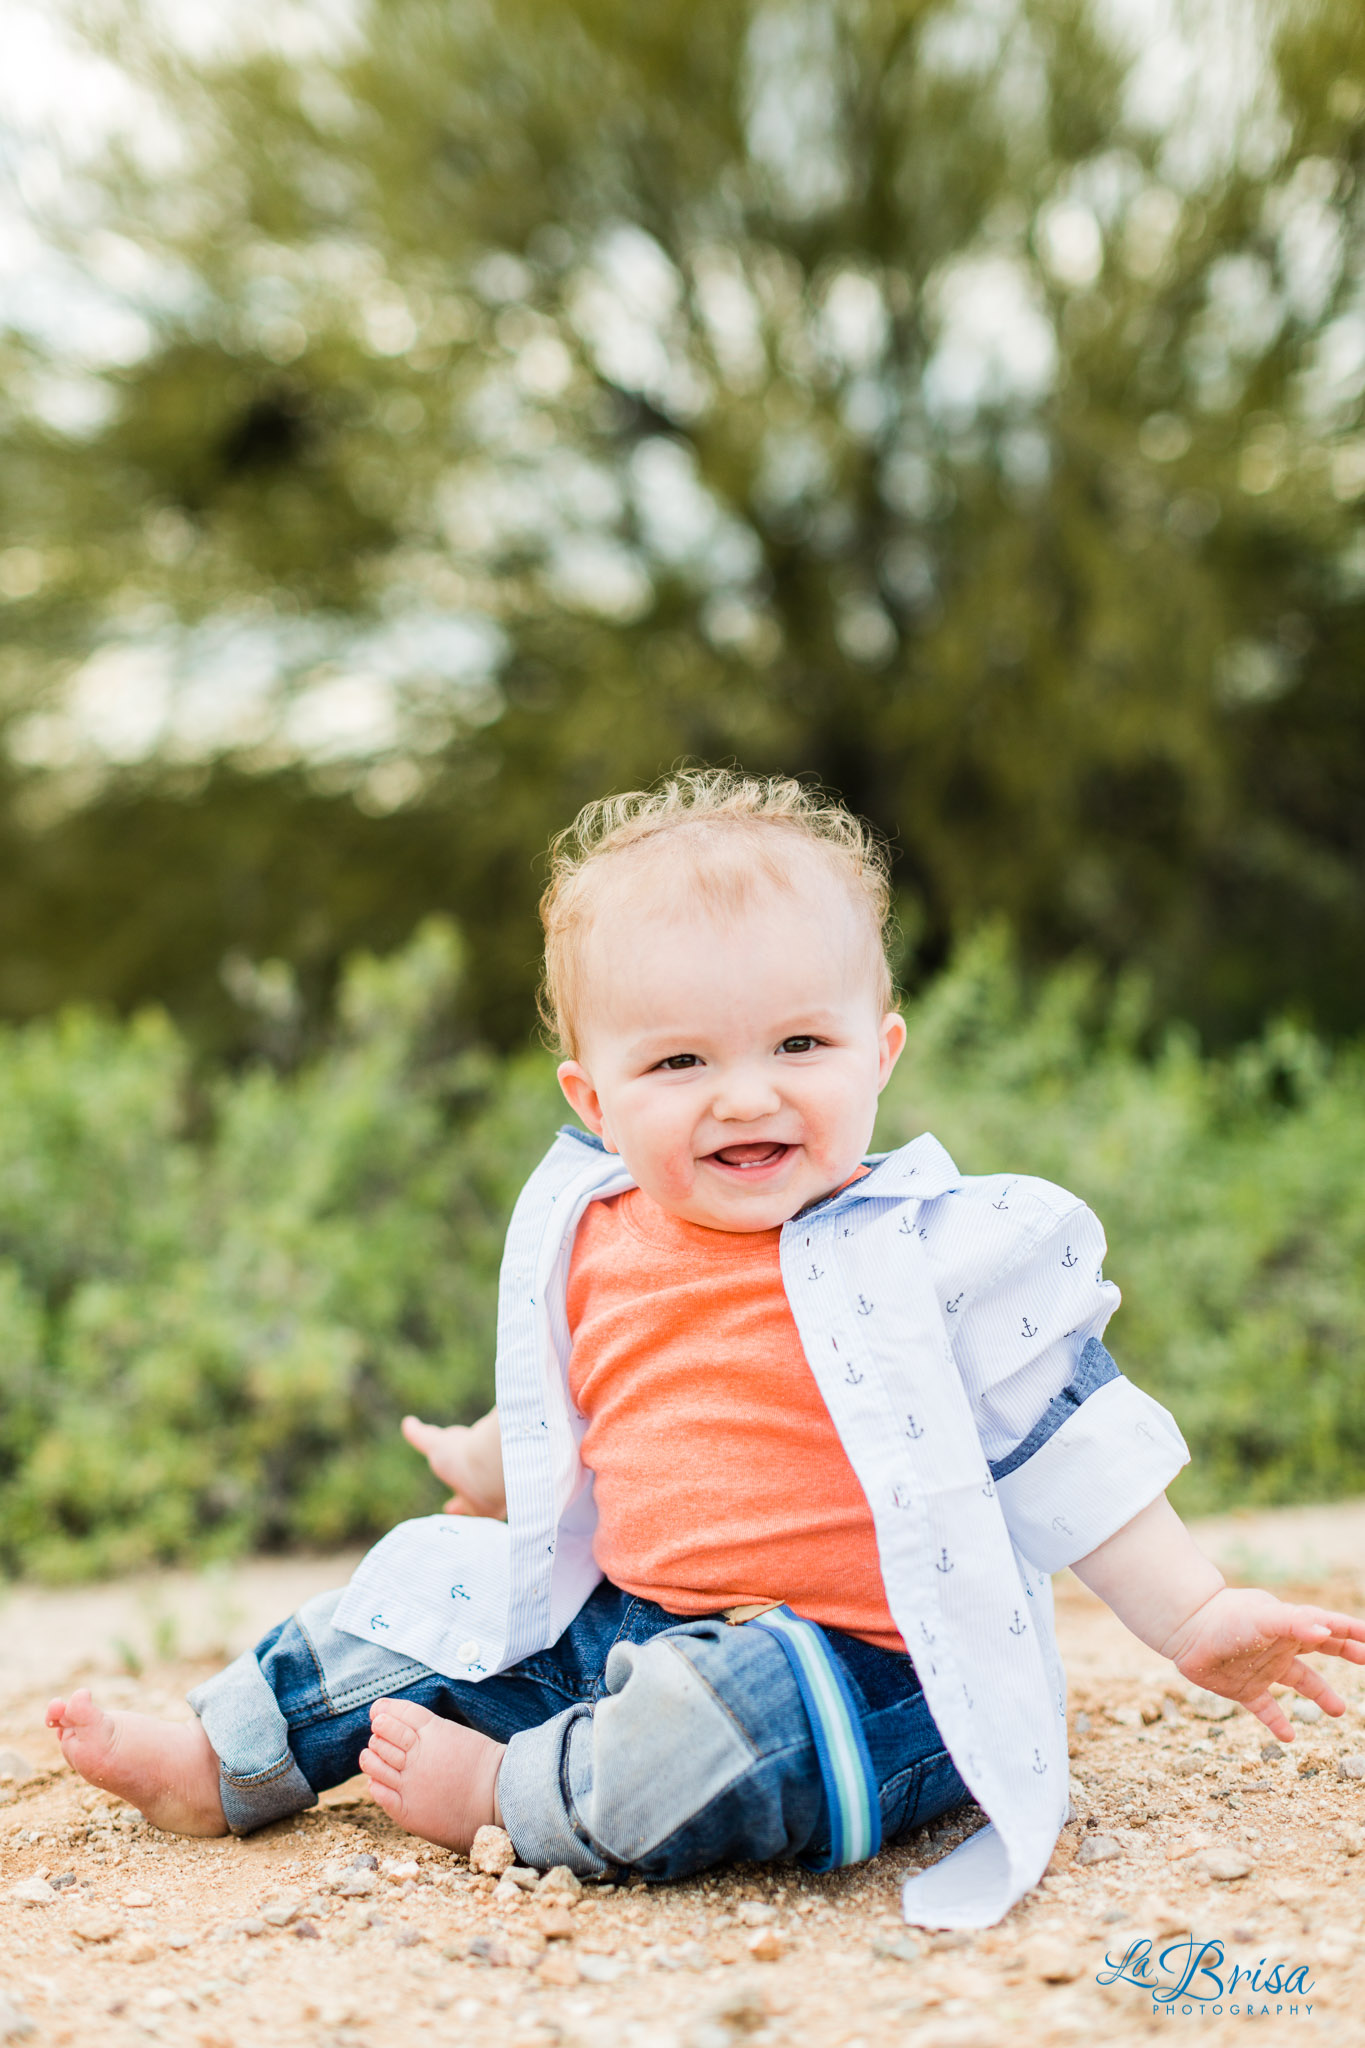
x=952 y=1325
x=718 y=1474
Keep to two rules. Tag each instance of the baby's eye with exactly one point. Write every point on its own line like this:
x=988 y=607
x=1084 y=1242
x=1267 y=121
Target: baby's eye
x=678 y=1062
x=802 y=1042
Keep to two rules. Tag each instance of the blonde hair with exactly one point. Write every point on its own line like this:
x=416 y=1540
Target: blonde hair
x=714 y=813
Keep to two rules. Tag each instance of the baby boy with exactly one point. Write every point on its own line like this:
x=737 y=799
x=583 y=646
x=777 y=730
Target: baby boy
x=788 y=1439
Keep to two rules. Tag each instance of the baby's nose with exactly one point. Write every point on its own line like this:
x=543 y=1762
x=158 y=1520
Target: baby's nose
x=744 y=1097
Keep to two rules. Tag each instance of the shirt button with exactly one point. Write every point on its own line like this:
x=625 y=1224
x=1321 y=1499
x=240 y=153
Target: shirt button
x=468 y=1652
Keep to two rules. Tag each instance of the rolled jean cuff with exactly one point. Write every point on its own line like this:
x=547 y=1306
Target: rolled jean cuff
x=535 y=1801
x=258 y=1778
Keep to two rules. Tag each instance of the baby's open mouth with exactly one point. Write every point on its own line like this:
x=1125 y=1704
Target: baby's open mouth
x=747 y=1157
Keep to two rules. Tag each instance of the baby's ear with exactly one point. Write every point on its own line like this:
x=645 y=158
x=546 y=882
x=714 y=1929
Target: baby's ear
x=893 y=1036
x=581 y=1095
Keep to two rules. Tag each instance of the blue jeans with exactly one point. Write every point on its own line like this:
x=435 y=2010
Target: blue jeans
x=638 y=1741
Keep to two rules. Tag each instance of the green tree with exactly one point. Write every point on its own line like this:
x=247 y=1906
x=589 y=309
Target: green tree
x=881 y=392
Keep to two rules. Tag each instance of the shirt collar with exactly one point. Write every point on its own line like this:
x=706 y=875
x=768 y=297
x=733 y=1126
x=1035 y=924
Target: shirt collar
x=921 y=1170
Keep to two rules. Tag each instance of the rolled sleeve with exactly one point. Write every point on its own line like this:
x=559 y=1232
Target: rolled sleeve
x=1116 y=1451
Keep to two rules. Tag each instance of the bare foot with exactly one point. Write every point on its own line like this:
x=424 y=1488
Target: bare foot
x=436 y=1778
x=167 y=1769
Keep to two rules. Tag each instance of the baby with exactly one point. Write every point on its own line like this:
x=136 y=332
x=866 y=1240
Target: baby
x=788 y=1440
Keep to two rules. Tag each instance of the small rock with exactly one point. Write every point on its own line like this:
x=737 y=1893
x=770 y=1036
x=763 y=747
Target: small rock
x=556 y=1923
x=159 y=2000
x=96 y=1927
x=600 y=1969
x=181 y=1939
x=492 y=1851
x=1351 y=1767
x=357 y=1884
x=765 y=1945
x=408 y=1937
x=1210 y=1706
x=1305 y=1710
x=742 y=2010
x=251 y=1927
x=33 y=1891
x=1098 y=1849
x=141 y=1952
x=63 y=1882
x=1081 y=1725
x=1272 y=1752
x=558 y=1968
x=1352 y=1841
x=365 y=1861
x=1125 y=1717
x=1053 y=1962
x=755 y=1913
x=16 y=1768
x=400 y=1869
x=280 y=1912
x=138 y=1901
x=307 y=1930
x=520 y=1875
x=15 y=2023
x=560 y=1883
x=507 y=1893
x=490 y=1949
x=1225 y=1865
x=896 y=1948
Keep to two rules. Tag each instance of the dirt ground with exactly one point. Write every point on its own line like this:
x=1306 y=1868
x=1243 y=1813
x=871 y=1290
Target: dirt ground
x=336 y=1930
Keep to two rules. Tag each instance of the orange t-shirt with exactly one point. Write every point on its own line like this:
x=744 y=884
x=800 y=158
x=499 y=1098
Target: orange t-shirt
x=718 y=1475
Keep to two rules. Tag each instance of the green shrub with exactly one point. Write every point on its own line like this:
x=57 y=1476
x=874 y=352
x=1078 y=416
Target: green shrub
x=218 y=1297
x=1230 y=1190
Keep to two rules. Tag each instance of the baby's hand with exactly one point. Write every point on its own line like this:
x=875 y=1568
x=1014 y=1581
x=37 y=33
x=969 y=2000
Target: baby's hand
x=1243 y=1641
x=469 y=1460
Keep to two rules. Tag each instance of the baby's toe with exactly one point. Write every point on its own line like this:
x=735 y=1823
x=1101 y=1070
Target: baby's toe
x=379 y=1770
x=405 y=1711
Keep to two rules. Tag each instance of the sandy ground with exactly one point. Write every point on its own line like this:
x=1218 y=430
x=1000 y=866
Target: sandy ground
x=336 y=1930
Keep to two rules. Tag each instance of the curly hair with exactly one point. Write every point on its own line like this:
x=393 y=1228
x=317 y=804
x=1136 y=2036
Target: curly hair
x=732 y=830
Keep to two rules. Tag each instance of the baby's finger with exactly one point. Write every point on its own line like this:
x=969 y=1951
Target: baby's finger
x=1313 y=1686
x=1268 y=1709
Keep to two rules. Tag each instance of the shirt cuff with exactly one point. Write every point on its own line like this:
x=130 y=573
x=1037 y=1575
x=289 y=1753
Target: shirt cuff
x=1099 y=1467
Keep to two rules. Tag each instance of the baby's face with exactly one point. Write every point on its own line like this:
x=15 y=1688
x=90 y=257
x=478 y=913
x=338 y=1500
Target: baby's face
x=735 y=1062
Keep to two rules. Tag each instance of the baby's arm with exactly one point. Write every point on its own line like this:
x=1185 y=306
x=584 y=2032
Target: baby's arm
x=1234 y=1641
x=468 y=1459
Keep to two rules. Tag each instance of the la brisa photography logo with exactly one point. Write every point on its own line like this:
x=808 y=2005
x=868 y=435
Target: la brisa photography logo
x=1191 y=1976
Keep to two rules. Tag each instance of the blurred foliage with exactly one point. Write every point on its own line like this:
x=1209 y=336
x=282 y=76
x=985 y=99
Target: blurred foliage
x=217 y=1301
x=876 y=392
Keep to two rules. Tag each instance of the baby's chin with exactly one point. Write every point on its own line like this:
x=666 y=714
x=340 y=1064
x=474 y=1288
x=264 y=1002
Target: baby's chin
x=732 y=1198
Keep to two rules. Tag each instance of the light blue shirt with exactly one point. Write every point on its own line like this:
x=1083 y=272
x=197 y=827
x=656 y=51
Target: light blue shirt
x=952 y=1323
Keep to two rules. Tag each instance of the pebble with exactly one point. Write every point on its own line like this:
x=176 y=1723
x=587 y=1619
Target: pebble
x=559 y=1968
x=556 y=1923
x=307 y=1930
x=1225 y=1865
x=755 y=1913
x=408 y=1937
x=33 y=1891
x=97 y=1926
x=1352 y=1841
x=15 y=1767
x=765 y=1945
x=400 y=1869
x=1081 y=1725
x=251 y=1927
x=1305 y=1710
x=1351 y=1767
x=507 y=1891
x=138 y=1901
x=14 y=2021
x=141 y=1952
x=280 y=1912
x=1098 y=1849
x=365 y=1861
x=600 y=1969
x=522 y=1876
x=492 y=1851
x=357 y=1884
x=896 y=1948
x=741 y=2010
x=1210 y=1706
x=559 y=1883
